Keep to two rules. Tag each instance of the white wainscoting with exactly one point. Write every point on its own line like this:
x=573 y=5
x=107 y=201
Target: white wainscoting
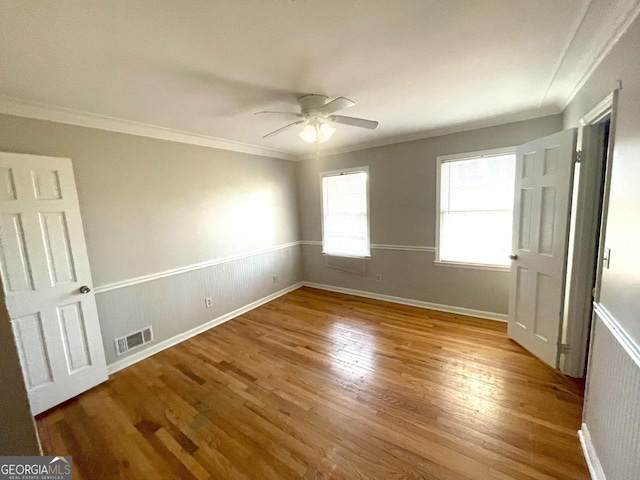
x=170 y=342
x=189 y=268
x=380 y=246
x=407 y=274
x=173 y=302
x=610 y=433
x=217 y=261
x=414 y=303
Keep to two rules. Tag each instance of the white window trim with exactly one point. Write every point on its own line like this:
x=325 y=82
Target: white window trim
x=343 y=171
x=452 y=158
x=473 y=266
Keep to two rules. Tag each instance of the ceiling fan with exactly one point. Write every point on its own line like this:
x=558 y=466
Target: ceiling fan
x=318 y=116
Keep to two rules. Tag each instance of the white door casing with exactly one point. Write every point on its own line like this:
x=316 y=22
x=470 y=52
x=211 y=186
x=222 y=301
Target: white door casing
x=44 y=264
x=583 y=253
x=544 y=175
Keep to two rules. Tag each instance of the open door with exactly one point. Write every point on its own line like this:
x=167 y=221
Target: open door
x=583 y=266
x=46 y=278
x=544 y=177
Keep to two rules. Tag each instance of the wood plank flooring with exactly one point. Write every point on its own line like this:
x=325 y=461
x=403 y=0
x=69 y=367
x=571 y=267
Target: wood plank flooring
x=319 y=385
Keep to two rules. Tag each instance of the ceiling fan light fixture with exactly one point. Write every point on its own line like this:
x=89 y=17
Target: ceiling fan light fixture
x=321 y=134
x=326 y=131
x=308 y=134
x=317 y=116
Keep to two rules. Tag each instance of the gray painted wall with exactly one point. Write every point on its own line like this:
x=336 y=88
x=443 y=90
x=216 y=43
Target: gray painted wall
x=402 y=182
x=150 y=206
x=612 y=397
x=621 y=282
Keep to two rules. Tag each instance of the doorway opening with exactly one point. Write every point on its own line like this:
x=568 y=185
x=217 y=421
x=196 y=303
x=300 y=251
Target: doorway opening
x=587 y=255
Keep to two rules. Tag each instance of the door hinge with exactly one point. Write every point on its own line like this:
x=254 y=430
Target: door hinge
x=565 y=348
x=578 y=156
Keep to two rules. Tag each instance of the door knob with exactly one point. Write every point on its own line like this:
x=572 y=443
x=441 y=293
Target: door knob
x=513 y=256
x=84 y=289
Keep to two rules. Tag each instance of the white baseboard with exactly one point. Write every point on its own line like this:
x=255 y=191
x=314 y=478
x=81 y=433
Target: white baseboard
x=170 y=342
x=590 y=455
x=500 y=317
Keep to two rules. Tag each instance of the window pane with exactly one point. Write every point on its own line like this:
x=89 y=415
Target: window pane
x=346 y=203
x=476 y=208
x=478 y=184
x=345 y=225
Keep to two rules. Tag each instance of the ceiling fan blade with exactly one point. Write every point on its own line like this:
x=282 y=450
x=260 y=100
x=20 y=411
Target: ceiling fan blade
x=339 y=103
x=275 y=132
x=289 y=114
x=356 y=122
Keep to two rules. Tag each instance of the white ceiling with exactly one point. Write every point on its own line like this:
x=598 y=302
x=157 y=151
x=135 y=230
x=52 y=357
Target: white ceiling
x=204 y=67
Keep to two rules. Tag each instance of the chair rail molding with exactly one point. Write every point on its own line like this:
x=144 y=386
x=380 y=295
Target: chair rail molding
x=189 y=268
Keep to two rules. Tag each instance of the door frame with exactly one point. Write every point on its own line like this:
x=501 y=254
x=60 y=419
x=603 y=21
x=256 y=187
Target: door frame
x=588 y=233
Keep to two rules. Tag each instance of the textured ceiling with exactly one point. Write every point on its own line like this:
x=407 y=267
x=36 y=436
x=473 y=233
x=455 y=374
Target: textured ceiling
x=418 y=67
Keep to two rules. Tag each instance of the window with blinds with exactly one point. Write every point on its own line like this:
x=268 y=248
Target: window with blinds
x=476 y=209
x=345 y=216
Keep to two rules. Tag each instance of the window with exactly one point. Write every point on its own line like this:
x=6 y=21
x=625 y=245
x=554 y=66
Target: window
x=476 y=208
x=345 y=218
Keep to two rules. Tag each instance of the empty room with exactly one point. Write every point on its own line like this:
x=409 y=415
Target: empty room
x=278 y=239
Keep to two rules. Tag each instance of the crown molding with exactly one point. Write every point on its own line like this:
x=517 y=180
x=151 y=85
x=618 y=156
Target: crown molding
x=599 y=55
x=494 y=121
x=565 y=50
x=51 y=113
x=41 y=111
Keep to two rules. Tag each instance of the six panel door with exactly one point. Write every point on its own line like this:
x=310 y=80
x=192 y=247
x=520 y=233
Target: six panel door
x=544 y=176
x=44 y=264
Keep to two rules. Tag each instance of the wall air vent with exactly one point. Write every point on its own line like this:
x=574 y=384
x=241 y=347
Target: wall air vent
x=348 y=264
x=133 y=340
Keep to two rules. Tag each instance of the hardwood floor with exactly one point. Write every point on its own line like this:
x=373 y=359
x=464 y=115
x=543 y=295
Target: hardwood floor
x=324 y=385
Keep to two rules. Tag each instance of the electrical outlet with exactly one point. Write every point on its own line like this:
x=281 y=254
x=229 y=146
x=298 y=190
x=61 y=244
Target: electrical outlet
x=378 y=278
x=208 y=302
x=275 y=278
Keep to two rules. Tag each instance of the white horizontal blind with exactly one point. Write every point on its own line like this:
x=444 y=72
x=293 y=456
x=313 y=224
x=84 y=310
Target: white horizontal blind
x=476 y=209
x=345 y=227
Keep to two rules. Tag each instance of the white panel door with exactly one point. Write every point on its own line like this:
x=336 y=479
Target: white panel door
x=46 y=279
x=544 y=176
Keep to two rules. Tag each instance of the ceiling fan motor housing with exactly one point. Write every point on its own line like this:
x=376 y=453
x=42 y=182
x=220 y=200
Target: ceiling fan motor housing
x=319 y=115
x=311 y=104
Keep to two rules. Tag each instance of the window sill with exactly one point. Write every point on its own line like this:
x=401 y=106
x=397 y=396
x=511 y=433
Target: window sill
x=342 y=255
x=473 y=266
